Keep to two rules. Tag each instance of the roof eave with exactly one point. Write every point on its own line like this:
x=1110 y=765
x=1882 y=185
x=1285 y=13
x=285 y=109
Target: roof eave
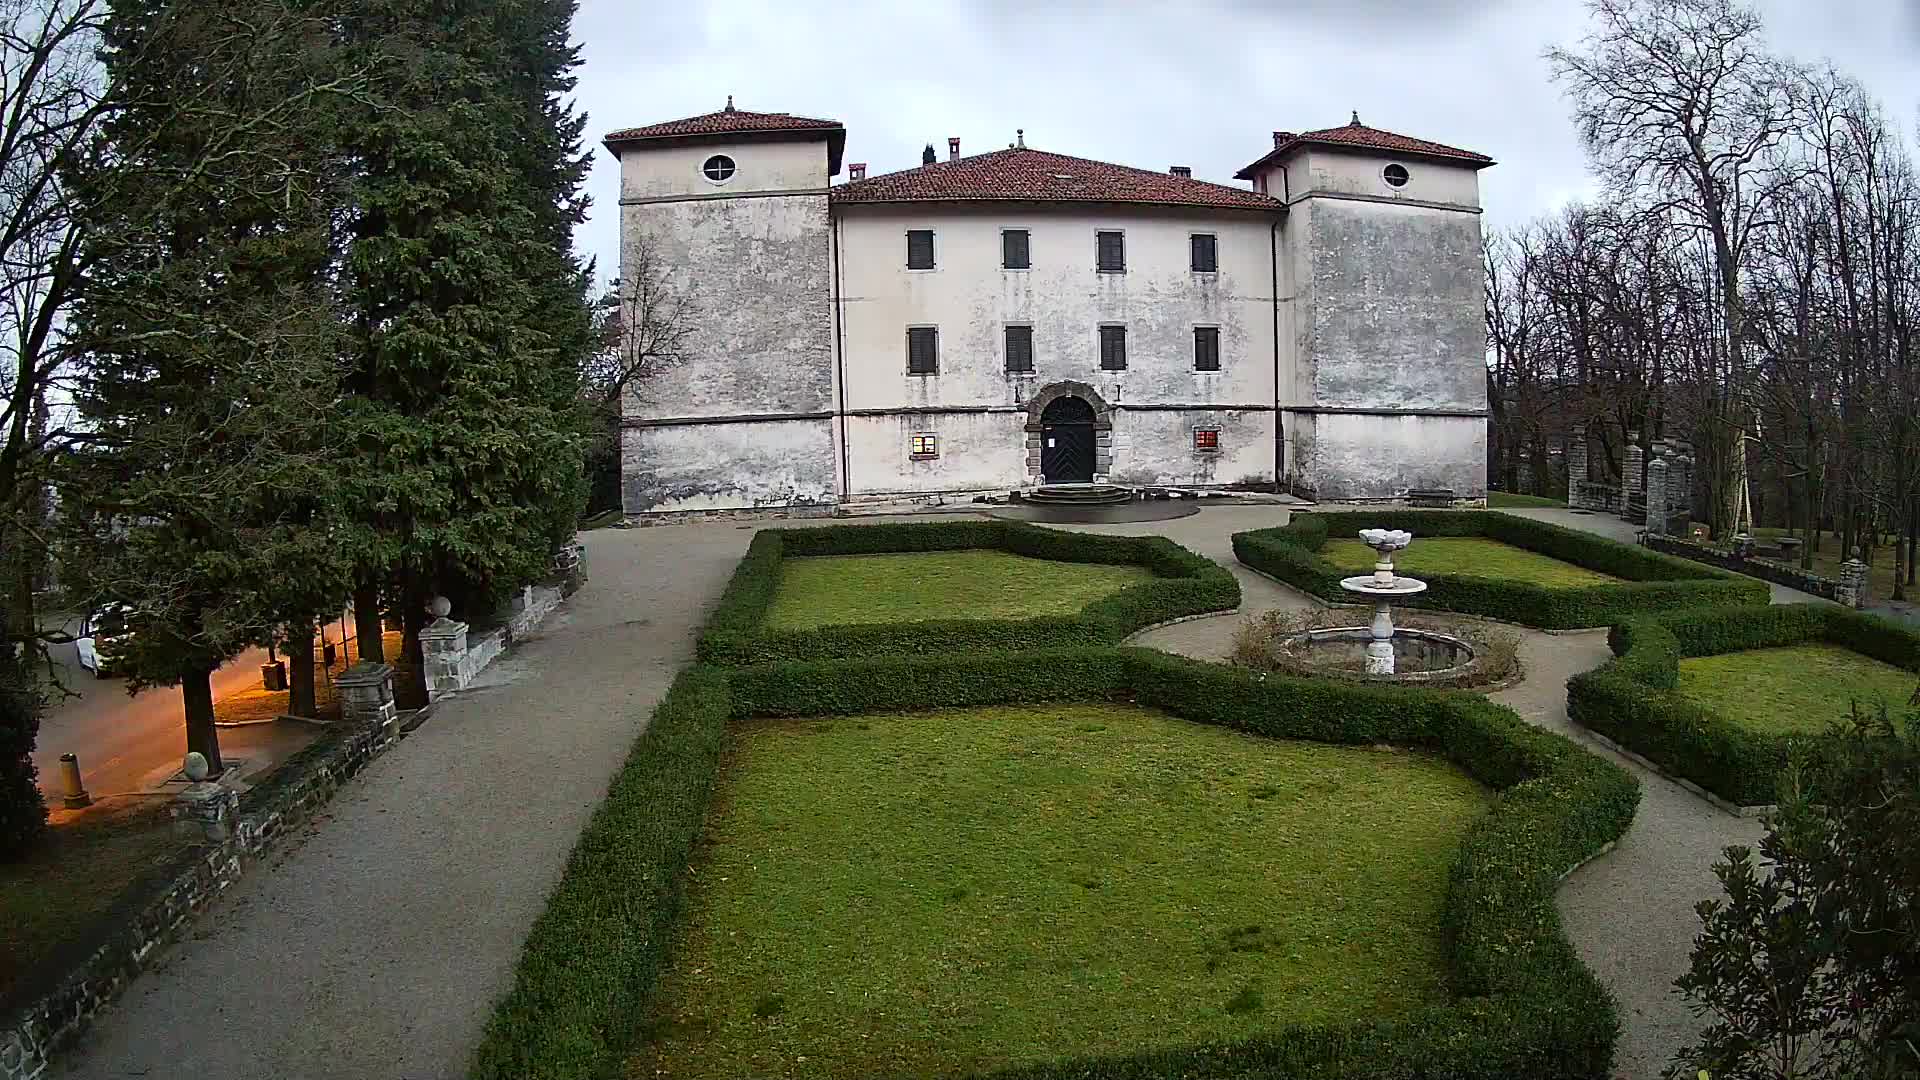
x=836 y=139
x=837 y=197
x=1475 y=161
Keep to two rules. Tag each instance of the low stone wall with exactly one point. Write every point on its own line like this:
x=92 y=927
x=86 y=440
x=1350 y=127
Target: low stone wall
x=151 y=918
x=454 y=659
x=1852 y=594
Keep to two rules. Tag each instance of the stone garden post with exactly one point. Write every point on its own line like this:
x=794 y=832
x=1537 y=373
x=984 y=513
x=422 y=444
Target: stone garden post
x=366 y=697
x=1657 y=496
x=1577 y=468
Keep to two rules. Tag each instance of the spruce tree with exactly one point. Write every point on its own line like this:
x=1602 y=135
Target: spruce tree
x=470 y=311
x=211 y=343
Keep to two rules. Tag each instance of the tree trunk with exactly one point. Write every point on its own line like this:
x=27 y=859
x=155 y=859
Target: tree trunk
x=410 y=692
x=300 y=690
x=366 y=621
x=196 y=695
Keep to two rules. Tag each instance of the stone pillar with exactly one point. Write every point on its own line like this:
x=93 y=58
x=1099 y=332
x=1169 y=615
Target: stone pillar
x=443 y=648
x=366 y=696
x=1852 y=590
x=1577 y=468
x=208 y=808
x=1657 y=497
x=1634 y=457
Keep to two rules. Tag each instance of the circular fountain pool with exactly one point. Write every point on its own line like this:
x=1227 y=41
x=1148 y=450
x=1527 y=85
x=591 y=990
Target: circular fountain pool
x=1419 y=656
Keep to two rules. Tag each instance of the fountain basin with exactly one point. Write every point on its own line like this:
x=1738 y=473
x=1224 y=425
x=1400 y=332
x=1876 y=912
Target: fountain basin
x=1419 y=656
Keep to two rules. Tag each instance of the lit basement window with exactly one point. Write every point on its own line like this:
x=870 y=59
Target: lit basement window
x=926 y=446
x=1206 y=439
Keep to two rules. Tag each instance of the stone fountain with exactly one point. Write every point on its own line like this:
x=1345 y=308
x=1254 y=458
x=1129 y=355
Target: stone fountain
x=1383 y=587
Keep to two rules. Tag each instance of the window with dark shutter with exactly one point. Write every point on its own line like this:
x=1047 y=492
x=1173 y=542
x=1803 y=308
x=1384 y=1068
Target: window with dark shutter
x=1113 y=348
x=1206 y=257
x=1013 y=250
x=923 y=350
x=1206 y=348
x=1019 y=348
x=920 y=249
x=1206 y=440
x=1112 y=247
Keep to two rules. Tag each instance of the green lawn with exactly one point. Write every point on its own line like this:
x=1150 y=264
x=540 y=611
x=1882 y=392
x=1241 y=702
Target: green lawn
x=59 y=894
x=1801 y=688
x=841 y=589
x=1475 y=555
x=1502 y=500
x=940 y=893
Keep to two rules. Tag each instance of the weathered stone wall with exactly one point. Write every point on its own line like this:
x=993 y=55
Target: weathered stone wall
x=757 y=270
x=1392 y=319
x=149 y=919
x=1155 y=446
x=1360 y=456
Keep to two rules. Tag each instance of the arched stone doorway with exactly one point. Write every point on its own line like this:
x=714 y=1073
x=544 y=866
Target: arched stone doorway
x=1069 y=434
x=1066 y=441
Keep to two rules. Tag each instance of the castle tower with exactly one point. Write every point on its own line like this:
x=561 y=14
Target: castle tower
x=729 y=211
x=1382 y=260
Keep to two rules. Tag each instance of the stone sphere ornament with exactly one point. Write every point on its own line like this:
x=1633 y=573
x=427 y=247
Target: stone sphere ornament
x=439 y=607
x=195 y=766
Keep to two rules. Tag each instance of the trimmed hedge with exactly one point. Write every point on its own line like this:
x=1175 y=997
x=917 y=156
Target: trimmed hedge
x=1653 y=582
x=1526 y=1005
x=1184 y=584
x=1633 y=701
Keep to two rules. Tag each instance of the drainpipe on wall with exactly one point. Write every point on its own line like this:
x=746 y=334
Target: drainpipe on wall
x=1279 y=428
x=840 y=361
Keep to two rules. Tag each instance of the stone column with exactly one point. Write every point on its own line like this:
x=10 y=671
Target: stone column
x=1657 y=497
x=207 y=807
x=1634 y=457
x=1852 y=590
x=366 y=696
x=1577 y=468
x=443 y=648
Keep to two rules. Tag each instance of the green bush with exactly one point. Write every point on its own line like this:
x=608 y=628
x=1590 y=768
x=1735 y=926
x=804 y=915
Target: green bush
x=1633 y=701
x=1651 y=581
x=1183 y=584
x=1527 y=1006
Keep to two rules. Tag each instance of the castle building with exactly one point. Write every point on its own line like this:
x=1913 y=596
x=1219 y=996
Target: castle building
x=995 y=321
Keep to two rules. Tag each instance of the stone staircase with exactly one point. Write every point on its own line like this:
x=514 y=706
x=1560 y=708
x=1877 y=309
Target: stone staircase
x=1078 y=495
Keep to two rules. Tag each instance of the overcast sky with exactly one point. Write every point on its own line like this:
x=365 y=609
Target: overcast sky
x=1202 y=85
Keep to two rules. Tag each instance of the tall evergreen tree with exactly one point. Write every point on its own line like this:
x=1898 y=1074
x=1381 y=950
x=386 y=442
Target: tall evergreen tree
x=470 y=309
x=212 y=345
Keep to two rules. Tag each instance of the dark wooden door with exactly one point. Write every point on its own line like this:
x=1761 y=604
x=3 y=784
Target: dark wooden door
x=1066 y=442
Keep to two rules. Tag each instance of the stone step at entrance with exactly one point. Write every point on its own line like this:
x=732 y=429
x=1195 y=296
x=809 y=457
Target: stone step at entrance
x=1077 y=495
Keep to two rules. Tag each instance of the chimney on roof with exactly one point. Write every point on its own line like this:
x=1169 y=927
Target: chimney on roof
x=926 y=156
x=953 y=148
x=1356 y=119
x=1181 y=170
x=1281 y=138
x=1020 y=137
x=857 y=171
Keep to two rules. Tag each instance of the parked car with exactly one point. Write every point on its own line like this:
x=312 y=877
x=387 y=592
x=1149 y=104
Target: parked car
x=103 y=639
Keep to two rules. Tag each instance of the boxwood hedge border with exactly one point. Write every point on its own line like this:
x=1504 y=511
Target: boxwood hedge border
x=1184 y=584
x=1632 y=700
x=1524 y=1005
x=1652 y=581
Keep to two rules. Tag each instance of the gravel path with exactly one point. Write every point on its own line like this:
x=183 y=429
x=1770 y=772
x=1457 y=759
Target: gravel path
x=376 y=947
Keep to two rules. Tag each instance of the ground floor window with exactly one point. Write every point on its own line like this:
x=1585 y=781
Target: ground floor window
x=925 y=446
x=1206 y=439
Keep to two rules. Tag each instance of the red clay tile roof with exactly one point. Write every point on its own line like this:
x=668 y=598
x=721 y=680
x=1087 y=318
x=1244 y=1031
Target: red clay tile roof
x=1022 y=174
x=1356 y=134
x=727 y=121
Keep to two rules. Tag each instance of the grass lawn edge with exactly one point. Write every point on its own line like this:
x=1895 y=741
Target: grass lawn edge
x=590 y=966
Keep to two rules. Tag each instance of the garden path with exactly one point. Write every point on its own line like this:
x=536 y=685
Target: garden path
x=1629 y=912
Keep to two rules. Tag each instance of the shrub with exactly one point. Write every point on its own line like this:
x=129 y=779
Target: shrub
x=1183 y=584
x=1633 y=701
x=1527 y=1006
x=1651 y=581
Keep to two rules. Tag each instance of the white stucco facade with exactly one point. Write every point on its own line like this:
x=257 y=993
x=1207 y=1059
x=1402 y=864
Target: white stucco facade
x=1345 y=310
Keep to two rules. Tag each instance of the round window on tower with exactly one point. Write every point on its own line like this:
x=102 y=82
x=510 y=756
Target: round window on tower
x=719 y=168
x=1395 y=175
